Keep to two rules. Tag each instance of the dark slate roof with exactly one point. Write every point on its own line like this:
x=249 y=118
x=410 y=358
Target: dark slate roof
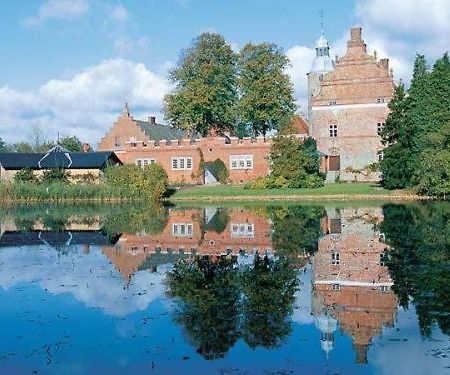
x=54 y=239
x=57 y=158
x=157 y=132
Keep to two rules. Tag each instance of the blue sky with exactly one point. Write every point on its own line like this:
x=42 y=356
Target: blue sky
x=69 y=65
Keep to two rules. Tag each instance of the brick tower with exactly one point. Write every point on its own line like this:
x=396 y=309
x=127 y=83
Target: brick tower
x=348 y=108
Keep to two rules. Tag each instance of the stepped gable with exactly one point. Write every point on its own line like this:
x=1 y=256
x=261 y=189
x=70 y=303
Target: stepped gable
x=357 y=78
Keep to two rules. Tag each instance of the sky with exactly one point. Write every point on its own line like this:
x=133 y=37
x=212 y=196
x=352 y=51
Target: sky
x=69 y=66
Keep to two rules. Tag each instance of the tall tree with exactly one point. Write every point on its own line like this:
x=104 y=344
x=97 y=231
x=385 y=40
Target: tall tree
x=72 y=144
x=267 y=96
x=205 y=92
x=397 y=165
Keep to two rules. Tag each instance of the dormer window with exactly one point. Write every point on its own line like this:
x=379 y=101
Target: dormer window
x=380 y=127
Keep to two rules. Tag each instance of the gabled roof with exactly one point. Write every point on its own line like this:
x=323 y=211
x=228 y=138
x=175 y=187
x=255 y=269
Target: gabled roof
x=57 y=157
x=157 y=132
x=300 y=125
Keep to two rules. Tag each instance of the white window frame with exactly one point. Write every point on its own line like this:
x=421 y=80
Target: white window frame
x=333 y=131
x=335 y=258
x=182 y=229
x=144 y=162
x=241 y=162
x=242 y=230
x=181 y=163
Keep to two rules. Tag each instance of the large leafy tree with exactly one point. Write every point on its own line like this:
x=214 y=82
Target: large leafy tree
x=72 y=144
x=205 y=95
x=266 y=91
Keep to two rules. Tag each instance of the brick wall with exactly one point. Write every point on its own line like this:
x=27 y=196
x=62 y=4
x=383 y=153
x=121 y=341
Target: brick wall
x=354 y=97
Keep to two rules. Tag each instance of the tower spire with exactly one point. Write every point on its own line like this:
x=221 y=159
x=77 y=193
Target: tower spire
x=321 y=12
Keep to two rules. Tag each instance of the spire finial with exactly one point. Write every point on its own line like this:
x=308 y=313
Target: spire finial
x=126 y=110
x=321 y=12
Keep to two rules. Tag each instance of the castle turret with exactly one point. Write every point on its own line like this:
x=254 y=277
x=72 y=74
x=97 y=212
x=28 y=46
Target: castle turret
x=322 y=64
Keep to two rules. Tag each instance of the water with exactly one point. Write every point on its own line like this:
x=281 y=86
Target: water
x=284 y=289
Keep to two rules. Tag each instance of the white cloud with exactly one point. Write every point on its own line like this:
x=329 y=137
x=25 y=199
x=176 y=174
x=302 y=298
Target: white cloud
x=120 y=14
x=84 y=105
x=301 y=58
x=425 y=17
x=63 y=9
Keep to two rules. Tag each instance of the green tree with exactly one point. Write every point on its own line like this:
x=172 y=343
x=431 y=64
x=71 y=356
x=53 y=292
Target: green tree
x=269 y=286
x=397 y=166
x=297 y=161
x=209 y=295
x=267 y=96
x=205 y=94
x=72 y=144
x=418 y=258
x=3 y=146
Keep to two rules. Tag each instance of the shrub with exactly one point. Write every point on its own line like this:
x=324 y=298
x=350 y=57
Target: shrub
x=219 y=169
x=294 y=160
x=149 y=183
x=25 y=175
x=55 y=175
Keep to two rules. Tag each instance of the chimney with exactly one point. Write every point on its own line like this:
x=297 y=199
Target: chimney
x=356 y=44
x=385 y=64
x=375 y=55
x=355 y=34
x=152 y=120
x=86 y=147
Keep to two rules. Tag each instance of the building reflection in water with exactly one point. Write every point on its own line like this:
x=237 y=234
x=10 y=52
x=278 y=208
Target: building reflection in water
x=351 y=284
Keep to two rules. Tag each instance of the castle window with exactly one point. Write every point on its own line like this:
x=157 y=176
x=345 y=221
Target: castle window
x=335 y=287
x=382 y=260
x=335 y=259
x=384 y=288
x=380 y=100
x=242 y=230
x=117 y=142
x=241 y=161
x=182 y=229
x=133 y=142
x=333 y=131
x=380 y=127
x=142 y=163
x=181 y=163
x=333 y=102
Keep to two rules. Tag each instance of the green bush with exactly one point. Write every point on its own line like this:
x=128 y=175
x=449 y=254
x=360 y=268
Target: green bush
x=219 y=169
x=55 y=175
x=25 y=175
x=149 y=183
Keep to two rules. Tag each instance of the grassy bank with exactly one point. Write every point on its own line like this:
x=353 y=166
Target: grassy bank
x=341 y=191
x=59 y=192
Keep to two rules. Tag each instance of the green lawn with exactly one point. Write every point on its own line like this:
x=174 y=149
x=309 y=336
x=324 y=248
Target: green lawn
x=333 y=191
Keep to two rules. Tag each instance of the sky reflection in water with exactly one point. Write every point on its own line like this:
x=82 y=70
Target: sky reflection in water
x=90 y=290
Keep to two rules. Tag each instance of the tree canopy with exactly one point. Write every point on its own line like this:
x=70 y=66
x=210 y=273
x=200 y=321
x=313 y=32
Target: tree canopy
x=205 y=93
x=266 y=91
x=416 y=131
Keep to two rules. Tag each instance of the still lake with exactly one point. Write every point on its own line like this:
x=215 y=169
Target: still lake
x=252 y=289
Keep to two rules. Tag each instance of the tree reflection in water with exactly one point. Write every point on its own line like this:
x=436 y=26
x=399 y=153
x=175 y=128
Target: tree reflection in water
x=418 y=258
x=221 y=302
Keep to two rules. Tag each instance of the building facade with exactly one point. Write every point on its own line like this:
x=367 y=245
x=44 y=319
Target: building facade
x=347 y=108
x=184 y=156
